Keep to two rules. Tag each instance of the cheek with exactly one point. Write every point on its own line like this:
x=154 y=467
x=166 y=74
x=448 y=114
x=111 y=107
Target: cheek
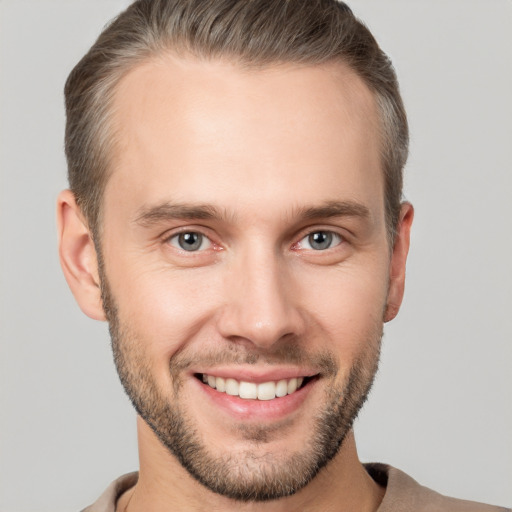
x=348 y=305
x=164 y=308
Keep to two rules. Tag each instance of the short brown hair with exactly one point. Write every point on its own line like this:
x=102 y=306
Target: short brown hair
x=250 y=32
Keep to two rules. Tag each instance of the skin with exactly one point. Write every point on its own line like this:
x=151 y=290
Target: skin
x=261 y=148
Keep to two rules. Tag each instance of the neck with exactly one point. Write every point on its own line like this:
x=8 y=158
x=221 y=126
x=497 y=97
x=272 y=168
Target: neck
x=164 y=484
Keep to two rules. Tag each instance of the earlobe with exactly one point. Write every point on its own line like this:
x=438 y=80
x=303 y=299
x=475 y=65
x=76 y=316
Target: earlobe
x=398 y=262
x=78 y=256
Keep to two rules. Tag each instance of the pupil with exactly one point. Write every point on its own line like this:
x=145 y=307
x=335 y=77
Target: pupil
x=190 y=241
x=320 y=240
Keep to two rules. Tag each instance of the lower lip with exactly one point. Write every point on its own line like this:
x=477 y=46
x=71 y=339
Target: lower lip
x=258 y=410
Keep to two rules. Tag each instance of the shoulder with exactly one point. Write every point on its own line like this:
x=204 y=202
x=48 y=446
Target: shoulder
x=107 y=501
x=403 y=494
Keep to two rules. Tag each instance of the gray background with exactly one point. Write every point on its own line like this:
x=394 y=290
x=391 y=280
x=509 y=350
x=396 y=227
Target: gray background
x=441 y=408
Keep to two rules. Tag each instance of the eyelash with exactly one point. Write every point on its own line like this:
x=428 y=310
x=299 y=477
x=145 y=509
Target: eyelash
x=331 y=236
x=174 y=240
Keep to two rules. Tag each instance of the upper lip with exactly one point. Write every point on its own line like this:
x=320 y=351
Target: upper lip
x=251 y=374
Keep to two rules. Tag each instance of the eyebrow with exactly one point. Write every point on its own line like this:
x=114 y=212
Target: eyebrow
x=334 y=209
x=172 y=211
x=166 y=211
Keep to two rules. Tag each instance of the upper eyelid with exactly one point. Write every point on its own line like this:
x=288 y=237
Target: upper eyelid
x=170 y=233
x=339 y=235
x=341 y=232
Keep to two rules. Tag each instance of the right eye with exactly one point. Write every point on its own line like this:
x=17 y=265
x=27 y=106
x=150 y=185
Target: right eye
x=190 y=241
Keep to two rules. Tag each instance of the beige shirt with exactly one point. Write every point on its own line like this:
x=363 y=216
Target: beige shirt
x=403 y=494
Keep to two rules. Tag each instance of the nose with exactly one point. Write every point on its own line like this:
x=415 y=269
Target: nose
x=261 y=306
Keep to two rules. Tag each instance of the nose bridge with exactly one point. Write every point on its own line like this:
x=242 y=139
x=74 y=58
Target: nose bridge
x=260 y=306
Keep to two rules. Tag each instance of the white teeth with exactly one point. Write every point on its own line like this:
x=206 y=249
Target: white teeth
x=232 y=387
x=220 y=384
x=282 y=388
x=266 y=391
x=250 y=390
x=292 y=385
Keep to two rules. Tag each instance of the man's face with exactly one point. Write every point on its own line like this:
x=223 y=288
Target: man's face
x=244 y=244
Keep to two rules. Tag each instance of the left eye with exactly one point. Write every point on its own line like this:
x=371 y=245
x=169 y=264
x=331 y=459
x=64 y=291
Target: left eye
x=320 y=240
x=190 y=241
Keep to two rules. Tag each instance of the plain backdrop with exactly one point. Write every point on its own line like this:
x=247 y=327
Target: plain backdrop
x=441 y=408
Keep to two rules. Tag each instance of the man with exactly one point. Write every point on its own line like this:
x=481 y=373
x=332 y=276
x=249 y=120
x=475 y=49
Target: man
x=235 y=214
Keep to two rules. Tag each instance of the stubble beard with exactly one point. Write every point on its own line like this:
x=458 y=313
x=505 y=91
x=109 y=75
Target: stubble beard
x=251 y=475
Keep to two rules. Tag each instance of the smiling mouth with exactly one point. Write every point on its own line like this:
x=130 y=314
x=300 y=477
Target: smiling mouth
x=252 y=391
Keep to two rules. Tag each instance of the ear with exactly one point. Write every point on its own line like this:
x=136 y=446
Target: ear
x=78 y=256
x=398 y=261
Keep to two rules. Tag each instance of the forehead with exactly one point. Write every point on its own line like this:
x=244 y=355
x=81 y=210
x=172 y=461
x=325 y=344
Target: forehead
x=210 y=131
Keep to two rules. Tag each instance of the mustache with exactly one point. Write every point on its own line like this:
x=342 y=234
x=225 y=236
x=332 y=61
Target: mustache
x=323 y=362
